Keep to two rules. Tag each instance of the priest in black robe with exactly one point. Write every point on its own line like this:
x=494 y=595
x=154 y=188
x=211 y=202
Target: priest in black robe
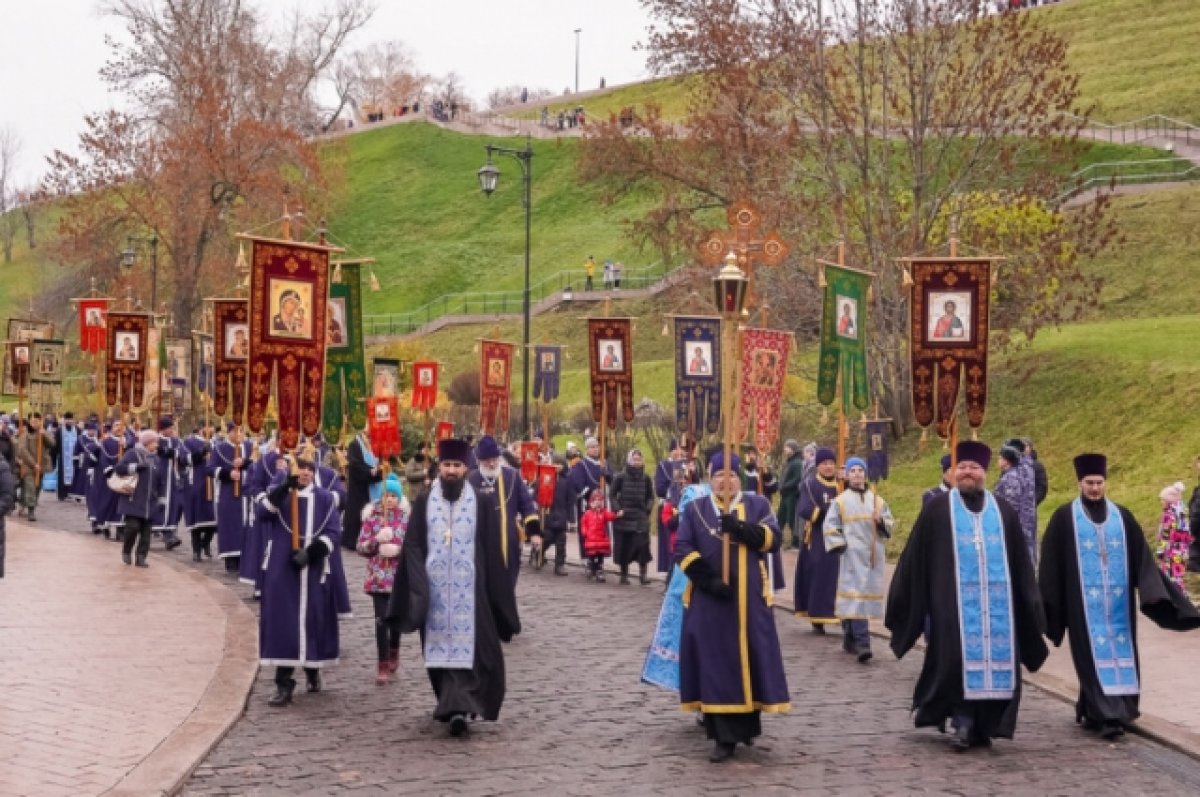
x=1094 y=557
x=452 y=587
x=966 y=568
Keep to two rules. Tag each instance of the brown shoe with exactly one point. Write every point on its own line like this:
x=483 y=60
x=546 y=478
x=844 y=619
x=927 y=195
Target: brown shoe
x=383 y=674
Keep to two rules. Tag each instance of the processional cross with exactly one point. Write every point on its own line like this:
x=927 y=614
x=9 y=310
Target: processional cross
x=745 y=239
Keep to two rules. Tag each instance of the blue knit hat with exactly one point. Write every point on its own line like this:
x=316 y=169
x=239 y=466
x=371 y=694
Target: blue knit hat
x=392 y=485
x=856 y=462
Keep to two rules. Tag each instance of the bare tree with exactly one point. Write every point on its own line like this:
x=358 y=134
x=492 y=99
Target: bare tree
x=213 y=140
x=10 y=219
x=503 y=96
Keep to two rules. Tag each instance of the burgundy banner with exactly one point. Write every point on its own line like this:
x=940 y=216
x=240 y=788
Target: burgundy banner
x=495 y=385
x=289 y=292
x=231 y=357
x=125 y=371
x=610 y=352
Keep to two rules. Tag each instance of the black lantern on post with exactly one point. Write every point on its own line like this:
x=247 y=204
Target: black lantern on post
x=729 y=293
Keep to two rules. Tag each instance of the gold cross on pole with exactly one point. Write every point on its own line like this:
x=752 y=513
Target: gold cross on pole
x=746 y=240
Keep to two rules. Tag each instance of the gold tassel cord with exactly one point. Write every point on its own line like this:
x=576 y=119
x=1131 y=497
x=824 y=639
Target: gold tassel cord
x=374 y=282
x=906 y=280
x=821 y=283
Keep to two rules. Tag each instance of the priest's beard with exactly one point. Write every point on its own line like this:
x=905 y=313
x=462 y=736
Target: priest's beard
x=490 y=472
x=452 y=487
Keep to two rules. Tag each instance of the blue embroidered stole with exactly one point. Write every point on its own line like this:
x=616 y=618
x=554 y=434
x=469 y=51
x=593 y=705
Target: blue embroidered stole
x=985 y=615
x=450 y=565
x=1101 y=554
x=69 y=436
x=662 y=659
x=374 y=489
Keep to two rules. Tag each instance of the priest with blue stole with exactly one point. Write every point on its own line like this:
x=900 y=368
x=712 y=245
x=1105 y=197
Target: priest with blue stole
x=1094 y=558
x=453 y=588
x=298 y=624
x=515 y=507
x=228 y=468
x=730 y=664
x=966 y=568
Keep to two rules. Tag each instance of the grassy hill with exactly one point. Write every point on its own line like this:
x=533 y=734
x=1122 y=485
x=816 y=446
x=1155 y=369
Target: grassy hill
x=1135 y=57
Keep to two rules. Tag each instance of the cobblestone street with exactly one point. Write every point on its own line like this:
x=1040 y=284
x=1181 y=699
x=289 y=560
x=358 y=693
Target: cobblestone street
x=576 y=721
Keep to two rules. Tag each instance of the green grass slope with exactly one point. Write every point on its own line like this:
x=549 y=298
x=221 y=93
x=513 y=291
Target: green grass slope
x=1135 y=57
x=413 y=202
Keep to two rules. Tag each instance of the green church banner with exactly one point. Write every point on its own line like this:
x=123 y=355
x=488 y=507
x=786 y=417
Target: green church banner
x=345 y=369
x=843 y=338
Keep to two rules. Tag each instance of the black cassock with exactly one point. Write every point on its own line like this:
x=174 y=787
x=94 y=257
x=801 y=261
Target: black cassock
x=1062 y=597
x=924 y=585
x=358 y=492
x=479 y=691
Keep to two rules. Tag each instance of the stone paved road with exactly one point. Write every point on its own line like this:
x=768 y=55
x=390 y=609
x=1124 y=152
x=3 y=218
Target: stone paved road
x=576 y=722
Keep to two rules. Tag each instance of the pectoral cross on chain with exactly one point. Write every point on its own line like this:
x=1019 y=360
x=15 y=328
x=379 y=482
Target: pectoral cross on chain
x=447 y=537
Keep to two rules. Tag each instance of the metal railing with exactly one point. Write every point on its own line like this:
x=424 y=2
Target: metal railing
x=493 y=303
x=1156 y=125
x=1100 y=175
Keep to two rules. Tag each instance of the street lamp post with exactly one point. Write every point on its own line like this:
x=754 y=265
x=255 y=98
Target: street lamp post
x=577 y=32
x=489 y=176
x=129 y=260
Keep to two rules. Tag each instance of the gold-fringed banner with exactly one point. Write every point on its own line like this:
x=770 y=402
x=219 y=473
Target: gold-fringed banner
x=125 y=371
x=289 y=292
x=610 y=354
x=764 y=373
x=949 y=338
x=495 y=385
x=231 y=357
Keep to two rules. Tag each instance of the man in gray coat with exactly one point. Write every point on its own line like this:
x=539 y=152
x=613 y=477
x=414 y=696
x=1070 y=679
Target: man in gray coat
x=138 y=507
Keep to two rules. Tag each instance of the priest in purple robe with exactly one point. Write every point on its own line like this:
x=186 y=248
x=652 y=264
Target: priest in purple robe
x=817 y=568
x=453 y=588
x=515 y=507
x=198 y=514
x=228 y=466
x=106 y=512
x=730 y=664
x=168 y=467
x=298 y=625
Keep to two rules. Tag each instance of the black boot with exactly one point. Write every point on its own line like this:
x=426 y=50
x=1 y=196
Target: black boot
x=195 y=546
x=458 y=725
x=312 y=678
x=560 y=560
x=624 y=575
x=141 y=562
x=643 y=576
x=721 y=752
x=283 y=693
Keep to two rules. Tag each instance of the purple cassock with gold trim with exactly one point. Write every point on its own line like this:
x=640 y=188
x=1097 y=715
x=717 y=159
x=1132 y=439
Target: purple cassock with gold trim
x=729 y=658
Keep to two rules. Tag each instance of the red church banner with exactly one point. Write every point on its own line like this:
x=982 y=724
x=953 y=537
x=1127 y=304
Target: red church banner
x=383 y=425
x=495 y=385
x=231 y=357
x=289 y=293
x=93 y=315
x=949 y=338
x=547 y=480
x=764 y=372
x=444 y=431
x=529 y=460
x=125 y=370
x=425 y=385
x=610 y=353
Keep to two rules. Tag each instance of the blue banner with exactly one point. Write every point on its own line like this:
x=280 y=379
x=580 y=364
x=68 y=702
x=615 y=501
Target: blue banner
x=698 y=374
x=547 y=363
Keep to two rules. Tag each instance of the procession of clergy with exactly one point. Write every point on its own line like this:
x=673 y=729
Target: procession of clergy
x=445 y=560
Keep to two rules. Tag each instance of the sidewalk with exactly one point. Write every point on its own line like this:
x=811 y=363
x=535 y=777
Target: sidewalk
x=1170 y=708
x=113 y=679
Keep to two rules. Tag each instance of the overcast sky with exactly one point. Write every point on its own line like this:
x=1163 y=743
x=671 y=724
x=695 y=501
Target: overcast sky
x=53 y=50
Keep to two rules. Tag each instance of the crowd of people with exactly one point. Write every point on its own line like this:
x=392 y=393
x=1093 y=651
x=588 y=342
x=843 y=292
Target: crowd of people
x=442 y=539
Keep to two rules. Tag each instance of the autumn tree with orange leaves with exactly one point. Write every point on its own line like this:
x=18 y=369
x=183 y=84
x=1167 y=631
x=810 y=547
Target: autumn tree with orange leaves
x=212 y=142
x=883 y=123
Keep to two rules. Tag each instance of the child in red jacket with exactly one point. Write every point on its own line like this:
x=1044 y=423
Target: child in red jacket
x=593 y=528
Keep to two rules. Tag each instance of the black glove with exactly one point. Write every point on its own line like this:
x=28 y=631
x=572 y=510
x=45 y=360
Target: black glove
x=533 y=527
x=707 y=581
x=312 y=556
x=750 y=534
x=300 y=559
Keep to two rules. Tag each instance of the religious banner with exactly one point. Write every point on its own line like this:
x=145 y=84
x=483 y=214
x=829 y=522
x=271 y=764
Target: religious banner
x=844 y=338
x=385 y=377
x=444 y=431
x=345 y=369
x=949 y=336
x=177 y=373
x=764 y=371
x=547 y=481
x=425 y=385
x=877 y=449
x=289 y=290
x=610 y=354
x=125 y=368
x=231 y=357
x=383 y=426
x=22 y=331
x=46 y=359
x=495 y=385
x=202 y=345
x=18 y=358
x=547 y=362
x=697 y=375
x=530 y=450
x=93 y=314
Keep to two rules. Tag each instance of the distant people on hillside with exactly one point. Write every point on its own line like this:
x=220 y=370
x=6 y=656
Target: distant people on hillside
x=589 y=271
x=608 y=274
x=617 y=268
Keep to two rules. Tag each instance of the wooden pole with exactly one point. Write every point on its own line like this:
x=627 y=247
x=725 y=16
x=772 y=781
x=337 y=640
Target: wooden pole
x=954 y=415
x=729 y=377
x=843 y=426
